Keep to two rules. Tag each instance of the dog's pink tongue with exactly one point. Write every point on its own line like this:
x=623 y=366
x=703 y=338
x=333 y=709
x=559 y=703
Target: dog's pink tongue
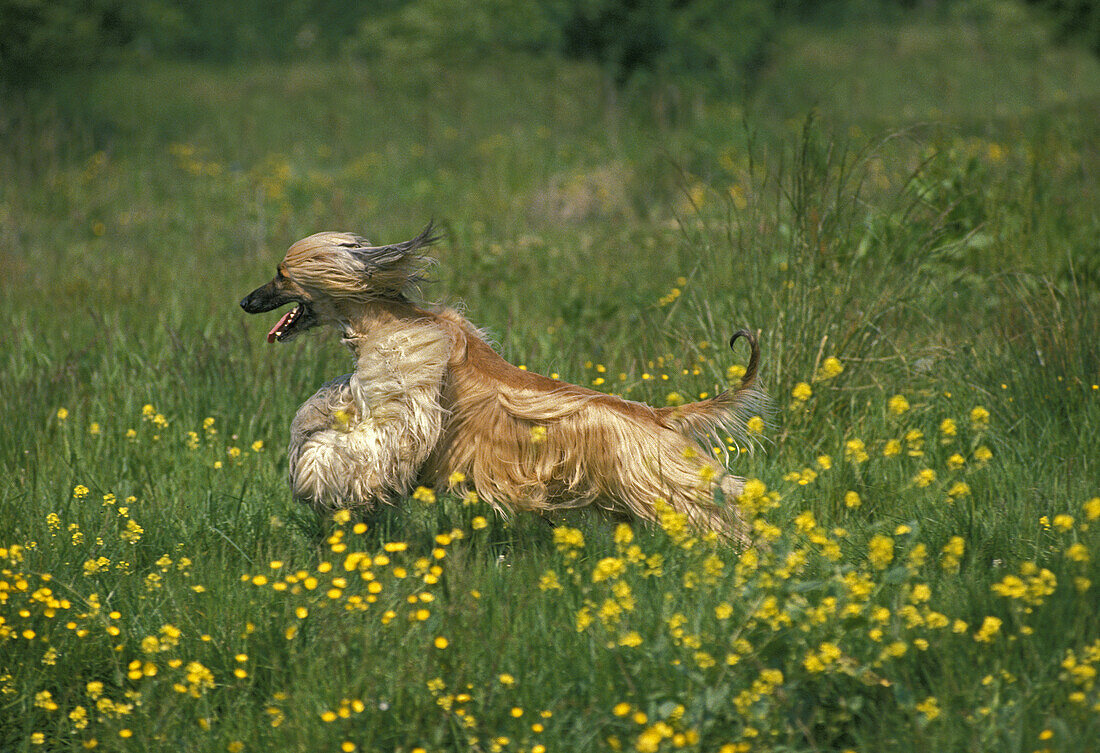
x=278 y=326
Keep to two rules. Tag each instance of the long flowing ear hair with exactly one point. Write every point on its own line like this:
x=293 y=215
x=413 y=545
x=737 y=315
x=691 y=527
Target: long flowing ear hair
x=344 y=265
x=395 y=270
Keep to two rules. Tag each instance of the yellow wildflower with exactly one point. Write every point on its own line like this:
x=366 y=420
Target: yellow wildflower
x=925 y=477
x=929 y=707
x=608 y=568
x=424 y=494
x=880 y=551
x=958 y=489
x=830 y=367
x=990 y=627
x=855 y=451
x=897 y=404
x=979 y=418
x=1078 y=553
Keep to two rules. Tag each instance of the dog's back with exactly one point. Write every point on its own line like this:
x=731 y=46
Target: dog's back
x=525 y=441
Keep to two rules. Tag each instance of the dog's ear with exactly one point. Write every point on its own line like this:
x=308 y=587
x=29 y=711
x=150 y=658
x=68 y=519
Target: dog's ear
x=393 y=267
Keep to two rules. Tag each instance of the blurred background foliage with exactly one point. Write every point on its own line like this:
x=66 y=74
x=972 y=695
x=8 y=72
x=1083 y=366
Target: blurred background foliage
x=636 y=41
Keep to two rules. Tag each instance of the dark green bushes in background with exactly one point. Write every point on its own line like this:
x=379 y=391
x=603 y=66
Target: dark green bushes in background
x=1077 y=20
x=714 y=41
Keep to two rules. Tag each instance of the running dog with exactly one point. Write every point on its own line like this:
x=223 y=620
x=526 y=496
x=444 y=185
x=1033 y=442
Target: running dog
x=431 y=403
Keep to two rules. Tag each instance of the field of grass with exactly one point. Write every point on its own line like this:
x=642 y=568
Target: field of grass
x=920 y=260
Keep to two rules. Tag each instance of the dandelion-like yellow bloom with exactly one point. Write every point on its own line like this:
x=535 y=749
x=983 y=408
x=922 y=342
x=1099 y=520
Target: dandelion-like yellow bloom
x=929 y=707
x=979 y=418
x=133 y=532
x=1063 y=522
x=624 y=534
x=1011 y=587
x=441 y=643
x=924 y=477
x=549 y=581
x=831 y=367
x=880 y=551
x=583 y=619
x=983 y=454
x=62 y=414
x=755 y=425
x=802 y=392
x=608 y=568
x=897 y=404
x=568 y=541
x=958 y=489
x=538 y=434
x=855 y=451
x=990 y=627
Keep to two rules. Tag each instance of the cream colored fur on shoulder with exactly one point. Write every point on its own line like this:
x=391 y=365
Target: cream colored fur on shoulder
x=430 y=401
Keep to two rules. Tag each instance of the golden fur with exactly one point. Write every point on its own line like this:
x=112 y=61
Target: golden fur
x=430 y=402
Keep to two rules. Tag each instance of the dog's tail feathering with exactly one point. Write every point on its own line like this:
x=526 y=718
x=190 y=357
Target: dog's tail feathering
x=727 y=412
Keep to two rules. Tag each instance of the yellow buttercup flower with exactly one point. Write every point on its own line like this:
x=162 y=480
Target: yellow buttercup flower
x=990 y=627
x=924 y=477
x=929 y=707
x=880 y=551
x=830 y=368
x=855 y=451
x=979 y=418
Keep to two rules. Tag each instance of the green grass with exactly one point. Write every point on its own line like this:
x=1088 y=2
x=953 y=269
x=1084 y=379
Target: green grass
x=618 y=241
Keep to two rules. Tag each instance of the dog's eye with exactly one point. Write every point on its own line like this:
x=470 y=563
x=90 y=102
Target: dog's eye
x=279 y=274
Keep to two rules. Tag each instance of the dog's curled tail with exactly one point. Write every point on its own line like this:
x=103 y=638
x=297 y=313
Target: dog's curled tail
x=727 y=412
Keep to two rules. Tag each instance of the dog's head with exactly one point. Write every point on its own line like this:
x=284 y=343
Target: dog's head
x=331 y=276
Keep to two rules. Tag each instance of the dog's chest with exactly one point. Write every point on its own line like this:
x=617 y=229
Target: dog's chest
x=367 y=433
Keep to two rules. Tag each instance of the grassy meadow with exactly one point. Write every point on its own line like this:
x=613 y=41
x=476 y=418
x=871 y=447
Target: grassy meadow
x=918 y=252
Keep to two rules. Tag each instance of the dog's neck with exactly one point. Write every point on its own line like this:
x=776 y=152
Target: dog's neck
x=374 y=321
x=400 y=355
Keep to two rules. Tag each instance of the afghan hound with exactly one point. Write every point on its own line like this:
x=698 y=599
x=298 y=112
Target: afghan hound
x=432 y=403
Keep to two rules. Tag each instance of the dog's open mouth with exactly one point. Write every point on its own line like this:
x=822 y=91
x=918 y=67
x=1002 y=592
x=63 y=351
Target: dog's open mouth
x=296 y=320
